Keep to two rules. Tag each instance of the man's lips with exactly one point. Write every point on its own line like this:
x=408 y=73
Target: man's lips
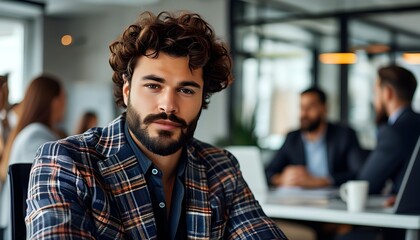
x=167 y=124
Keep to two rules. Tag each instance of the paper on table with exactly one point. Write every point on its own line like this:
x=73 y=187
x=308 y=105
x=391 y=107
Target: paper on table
x=307 y=193
x=295 y=195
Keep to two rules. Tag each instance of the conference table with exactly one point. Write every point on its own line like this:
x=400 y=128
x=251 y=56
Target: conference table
x=334 y=211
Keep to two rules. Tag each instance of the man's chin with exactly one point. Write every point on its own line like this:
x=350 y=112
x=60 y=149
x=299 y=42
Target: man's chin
x=165 y=148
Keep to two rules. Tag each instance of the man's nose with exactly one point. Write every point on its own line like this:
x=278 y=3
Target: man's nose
x=168 y=102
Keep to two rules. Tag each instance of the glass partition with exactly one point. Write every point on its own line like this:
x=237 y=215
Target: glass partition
x=276 y=53
x=12 y=52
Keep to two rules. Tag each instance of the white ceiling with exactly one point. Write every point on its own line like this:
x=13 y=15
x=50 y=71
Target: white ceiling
x=408 y=21
x=83 y=7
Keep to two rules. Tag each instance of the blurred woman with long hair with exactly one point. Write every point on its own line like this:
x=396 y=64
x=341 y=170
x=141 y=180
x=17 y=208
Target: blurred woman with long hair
x=88 y=120
x=43 y=108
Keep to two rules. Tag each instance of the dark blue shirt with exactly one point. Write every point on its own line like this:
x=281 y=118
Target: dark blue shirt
x=173 y=226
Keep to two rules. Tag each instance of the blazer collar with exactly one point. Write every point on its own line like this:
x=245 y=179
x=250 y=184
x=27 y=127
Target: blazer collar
x=329 y=141
x=112 y=138
x=403 y=113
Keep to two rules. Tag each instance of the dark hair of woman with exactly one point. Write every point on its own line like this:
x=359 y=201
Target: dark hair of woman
x=36 y=107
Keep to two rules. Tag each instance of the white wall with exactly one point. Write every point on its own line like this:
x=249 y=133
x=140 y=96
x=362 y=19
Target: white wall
x=86 y=62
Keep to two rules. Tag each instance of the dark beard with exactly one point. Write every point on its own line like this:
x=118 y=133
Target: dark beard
x=162 y=145
x=312 y=125
x=381 y=117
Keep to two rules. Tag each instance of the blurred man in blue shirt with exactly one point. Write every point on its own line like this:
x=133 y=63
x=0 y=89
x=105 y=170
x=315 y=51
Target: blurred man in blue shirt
x=320 y=153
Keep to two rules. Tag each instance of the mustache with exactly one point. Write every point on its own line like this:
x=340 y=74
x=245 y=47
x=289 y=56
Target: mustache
x=154 y=117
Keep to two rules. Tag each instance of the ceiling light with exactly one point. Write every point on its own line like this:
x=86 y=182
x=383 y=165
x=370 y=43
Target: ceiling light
x=375 y=48
x=411 y=58
x=66 y=40
x=338 y=58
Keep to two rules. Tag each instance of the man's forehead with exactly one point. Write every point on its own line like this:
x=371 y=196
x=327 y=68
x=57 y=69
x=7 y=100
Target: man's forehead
x=166 y=67
x=310 y=96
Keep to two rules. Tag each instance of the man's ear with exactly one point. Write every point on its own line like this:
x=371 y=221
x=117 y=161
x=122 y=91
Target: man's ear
x=388 y=92
x=126 y=89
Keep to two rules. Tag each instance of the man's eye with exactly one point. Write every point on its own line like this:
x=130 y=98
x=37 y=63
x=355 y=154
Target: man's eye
x=152 y=86
x=186 y=91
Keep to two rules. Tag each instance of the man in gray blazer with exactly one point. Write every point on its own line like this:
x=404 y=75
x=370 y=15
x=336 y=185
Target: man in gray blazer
x=319 y=154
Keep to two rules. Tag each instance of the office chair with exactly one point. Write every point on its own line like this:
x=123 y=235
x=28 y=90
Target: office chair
x=19 y=180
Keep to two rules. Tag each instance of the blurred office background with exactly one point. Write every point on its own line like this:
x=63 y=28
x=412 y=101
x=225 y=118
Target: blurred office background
x=276 y=46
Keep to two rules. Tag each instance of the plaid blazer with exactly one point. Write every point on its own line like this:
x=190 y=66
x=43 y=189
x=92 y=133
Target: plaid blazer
x=89 y=186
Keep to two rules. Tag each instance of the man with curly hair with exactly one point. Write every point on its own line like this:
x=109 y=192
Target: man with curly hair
x=144 y=176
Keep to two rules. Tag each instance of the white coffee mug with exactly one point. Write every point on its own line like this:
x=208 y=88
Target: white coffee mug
x=355 y=194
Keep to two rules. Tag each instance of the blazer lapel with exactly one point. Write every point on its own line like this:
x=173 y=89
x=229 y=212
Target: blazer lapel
x=197 y=198
x=122 y=176
x=300 y=154
x=329 y=140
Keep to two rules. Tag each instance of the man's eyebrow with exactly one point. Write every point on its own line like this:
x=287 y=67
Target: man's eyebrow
x=153 y=78
x=186 y=83
x=190 y=84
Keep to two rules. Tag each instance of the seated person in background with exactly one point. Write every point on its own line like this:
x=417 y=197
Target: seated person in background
x=41 y=109
x=394 y=91
x=88 y=120
x=15 y=111
x=399 y=129
x=145 y=176
x=4 y=106
x=320 y=154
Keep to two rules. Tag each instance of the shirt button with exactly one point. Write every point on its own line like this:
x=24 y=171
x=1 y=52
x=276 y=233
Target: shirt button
x=154 y=171
x=162 y=205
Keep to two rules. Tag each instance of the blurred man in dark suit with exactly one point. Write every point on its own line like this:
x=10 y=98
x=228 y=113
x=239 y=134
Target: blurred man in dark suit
x=394 y=91
x=397 y=136
x=320 y=154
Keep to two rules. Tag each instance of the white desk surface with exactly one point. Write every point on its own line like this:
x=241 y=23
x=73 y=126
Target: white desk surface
x=335 y=212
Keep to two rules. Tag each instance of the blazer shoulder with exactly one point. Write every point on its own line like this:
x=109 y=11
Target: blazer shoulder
x=84 y=141
x=293 y=136
x=212 y=155
x=338 y=128
x=408 y=118
x=294 y=133
x=218 y=163
x=76 y=149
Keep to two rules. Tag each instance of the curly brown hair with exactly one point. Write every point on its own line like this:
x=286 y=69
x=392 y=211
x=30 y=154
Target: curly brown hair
x=180 y=35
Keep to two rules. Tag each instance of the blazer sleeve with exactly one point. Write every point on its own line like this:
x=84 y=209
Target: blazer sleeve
x=56 y=196
x=383 y=161
x=353 y=158
x=280 y=160
x=246 y=219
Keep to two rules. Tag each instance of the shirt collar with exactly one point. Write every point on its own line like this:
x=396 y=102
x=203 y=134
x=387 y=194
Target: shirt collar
x=316 y=141
x=395 y=115
x=182 y=163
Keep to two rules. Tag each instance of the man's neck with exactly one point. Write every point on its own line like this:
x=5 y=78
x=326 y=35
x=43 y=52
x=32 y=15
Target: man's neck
x=395 y=106
x=166 y=164
x=317 y=133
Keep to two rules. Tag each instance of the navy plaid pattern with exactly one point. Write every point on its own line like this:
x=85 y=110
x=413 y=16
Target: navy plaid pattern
x=90 y=186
